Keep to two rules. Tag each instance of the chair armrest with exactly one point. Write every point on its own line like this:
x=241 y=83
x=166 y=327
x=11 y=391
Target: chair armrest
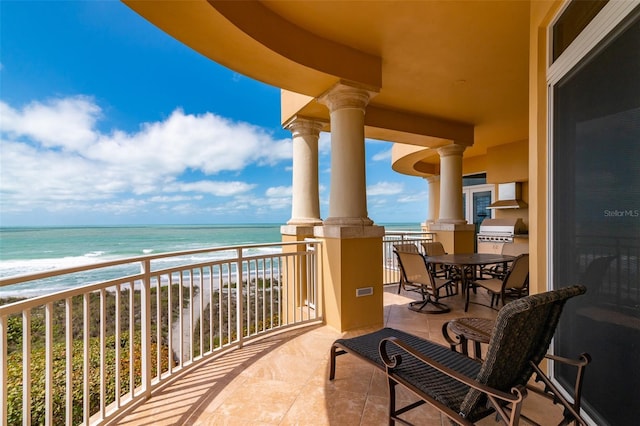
x=498 y=398
x=571 y=410
x=582 y=361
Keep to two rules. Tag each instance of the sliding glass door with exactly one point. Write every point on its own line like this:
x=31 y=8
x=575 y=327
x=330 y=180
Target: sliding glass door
x=595 y=226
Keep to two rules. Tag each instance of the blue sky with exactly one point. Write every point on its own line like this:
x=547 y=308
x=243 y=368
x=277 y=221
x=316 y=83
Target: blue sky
x=106 y=120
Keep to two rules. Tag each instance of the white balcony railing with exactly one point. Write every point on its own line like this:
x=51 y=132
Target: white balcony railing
x=391 y=270
x=87 y=354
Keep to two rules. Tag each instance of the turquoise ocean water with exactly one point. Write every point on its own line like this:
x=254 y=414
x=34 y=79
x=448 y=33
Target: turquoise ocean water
x=25 y=250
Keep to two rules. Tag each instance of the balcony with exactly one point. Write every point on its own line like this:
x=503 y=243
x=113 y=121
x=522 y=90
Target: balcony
x=283 y=380
x=132 y=349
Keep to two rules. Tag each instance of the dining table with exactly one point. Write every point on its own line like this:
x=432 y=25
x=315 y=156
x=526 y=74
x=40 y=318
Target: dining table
x=467 y=263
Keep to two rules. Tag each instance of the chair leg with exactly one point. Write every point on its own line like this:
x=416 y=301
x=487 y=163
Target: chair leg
x=477 y=350
x=493 y=299
x=439 y=308
x=392 y=402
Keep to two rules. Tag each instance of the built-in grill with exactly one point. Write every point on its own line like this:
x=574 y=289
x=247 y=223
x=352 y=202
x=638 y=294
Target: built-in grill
x=500 y=230
x=495 y=233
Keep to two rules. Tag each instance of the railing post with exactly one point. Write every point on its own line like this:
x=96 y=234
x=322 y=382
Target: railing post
x=240 y=297
x=26 y=367
x=48 y=373
x=145 y=327
x=3 y=369
x=266 y=268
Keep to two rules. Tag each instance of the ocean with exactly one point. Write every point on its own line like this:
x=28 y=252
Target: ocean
x=25 y=250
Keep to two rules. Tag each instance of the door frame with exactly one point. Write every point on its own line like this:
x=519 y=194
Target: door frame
x=467 y=193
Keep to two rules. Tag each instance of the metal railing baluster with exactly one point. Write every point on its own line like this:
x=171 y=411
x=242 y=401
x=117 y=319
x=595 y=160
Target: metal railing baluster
x=244 y=292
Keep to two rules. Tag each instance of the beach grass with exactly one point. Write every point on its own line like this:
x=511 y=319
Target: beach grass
x=129 y=340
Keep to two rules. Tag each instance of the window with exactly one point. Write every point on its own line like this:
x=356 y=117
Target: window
x=573 y=20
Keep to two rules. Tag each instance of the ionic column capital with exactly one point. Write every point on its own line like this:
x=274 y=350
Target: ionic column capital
x=300 y=127
x=342 y=96
x=449 y=150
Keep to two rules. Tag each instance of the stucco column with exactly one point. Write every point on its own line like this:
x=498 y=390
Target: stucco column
x=451 y=184
x=451 y=228
x=305 y=209
x=351 y=243
x=305 y=199
x=348 y=190
x=433 y=183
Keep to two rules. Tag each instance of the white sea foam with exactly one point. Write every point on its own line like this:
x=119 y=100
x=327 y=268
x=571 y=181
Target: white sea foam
x=10 y=268
x=88 y=246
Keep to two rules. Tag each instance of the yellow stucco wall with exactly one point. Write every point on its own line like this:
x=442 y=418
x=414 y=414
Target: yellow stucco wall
x=508 y=162
x=456 y=241
x=349 y=264
x=477 y=164
x=541 y=14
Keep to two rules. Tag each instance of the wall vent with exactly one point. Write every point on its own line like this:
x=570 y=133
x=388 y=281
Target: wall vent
x=364 y=291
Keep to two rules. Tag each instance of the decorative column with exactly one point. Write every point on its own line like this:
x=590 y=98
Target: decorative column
x=305 y=210
x=348 y=190
x=433 y=183
x=352 y=244
x=305 y=199
x=451 y=184
x=451 y=228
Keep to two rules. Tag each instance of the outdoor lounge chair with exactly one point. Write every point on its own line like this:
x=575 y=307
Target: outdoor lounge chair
x=416 y=273
x=463 y=389
x=514 y=284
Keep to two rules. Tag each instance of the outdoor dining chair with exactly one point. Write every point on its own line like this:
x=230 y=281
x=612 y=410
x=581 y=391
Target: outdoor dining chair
x=515 y=282
x=435 y=248
x=416 y=273
x=402 y=283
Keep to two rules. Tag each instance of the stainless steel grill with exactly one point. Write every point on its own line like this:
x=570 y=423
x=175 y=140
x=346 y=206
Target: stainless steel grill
x=500 y=230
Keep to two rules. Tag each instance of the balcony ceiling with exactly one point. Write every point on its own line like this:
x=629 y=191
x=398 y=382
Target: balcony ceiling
x=443 y=70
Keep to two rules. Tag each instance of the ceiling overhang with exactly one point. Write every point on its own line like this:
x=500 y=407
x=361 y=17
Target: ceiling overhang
x=444 y=72
x=412 y=160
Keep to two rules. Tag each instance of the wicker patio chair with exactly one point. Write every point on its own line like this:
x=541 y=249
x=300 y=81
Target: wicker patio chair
x=514 y=284
x=416 y=273
x=478 y=330
x=463 y=389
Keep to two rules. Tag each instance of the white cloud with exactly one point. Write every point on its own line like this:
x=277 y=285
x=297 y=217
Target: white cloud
x=416 y=197
x=65 y=123
x=279 y=191
x=385 y=188
x=219 y=189
x=324 y=143
x=206 y=142
x=53 y=153
x=383 y=155
x=173 y=199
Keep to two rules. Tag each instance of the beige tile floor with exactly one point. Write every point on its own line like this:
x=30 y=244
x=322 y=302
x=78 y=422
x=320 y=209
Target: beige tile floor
x=283 y=380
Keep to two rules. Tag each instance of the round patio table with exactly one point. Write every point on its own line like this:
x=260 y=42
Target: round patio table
x=468 y=262
x=476 y=330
